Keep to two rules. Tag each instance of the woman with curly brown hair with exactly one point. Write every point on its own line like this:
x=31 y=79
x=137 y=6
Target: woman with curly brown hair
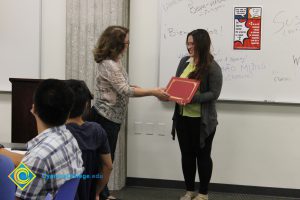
x=112 y=85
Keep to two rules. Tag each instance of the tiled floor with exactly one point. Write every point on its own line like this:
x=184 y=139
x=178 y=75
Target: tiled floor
x=141 y=193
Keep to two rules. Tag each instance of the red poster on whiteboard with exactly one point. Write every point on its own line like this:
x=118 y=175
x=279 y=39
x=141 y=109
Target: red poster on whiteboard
x=247 y=28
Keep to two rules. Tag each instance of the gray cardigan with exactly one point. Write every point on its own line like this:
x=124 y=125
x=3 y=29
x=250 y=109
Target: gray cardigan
x=210 y=88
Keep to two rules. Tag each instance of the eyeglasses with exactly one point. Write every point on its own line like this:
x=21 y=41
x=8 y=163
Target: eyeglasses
x=190 y=44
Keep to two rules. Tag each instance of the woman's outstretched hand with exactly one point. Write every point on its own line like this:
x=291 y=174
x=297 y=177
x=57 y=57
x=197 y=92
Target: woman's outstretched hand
x=161 y=94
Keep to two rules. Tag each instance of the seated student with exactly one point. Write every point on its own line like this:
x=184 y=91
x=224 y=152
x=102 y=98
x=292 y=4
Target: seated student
x=92 y=141
x=54 y=151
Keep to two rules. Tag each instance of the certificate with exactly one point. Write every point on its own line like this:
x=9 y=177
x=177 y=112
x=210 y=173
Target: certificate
x=182 y=89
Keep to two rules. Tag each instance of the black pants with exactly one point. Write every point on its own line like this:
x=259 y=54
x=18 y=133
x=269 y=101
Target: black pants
x=188 y=133
x=112 y=130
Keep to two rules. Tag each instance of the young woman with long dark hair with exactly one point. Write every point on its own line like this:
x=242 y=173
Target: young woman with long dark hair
x=195 y=123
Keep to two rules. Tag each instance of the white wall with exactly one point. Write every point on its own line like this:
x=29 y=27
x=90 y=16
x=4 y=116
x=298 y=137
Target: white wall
x=53 y=39
x=255 y=144
x=53 y=56
x=5 y=117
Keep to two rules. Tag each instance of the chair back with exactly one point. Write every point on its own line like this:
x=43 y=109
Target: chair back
x=67 y=190
x=7 y=187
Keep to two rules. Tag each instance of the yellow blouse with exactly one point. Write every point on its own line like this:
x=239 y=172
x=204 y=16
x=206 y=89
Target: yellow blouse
x=193 y=109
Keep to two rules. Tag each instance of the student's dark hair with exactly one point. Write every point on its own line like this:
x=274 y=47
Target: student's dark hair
x=82 y=96
x=110 y=44
x=53 y=100
x=202 y=44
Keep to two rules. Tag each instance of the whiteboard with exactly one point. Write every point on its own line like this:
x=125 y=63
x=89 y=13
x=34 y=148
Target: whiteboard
x=20 y=24
x=271 y=74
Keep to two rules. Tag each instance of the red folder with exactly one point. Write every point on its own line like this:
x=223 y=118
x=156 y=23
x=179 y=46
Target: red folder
x=182 y=89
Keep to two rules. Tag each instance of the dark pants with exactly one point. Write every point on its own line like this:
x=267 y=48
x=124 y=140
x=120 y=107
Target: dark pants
x=188 y=133
x=112 y=130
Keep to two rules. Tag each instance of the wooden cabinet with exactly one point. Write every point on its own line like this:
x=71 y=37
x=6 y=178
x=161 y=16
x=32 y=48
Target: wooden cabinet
x=23 y=122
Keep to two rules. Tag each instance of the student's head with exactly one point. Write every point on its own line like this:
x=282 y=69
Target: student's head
x=198 y=45
x=52 y=100
x=112 y=43
x=82 y=96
